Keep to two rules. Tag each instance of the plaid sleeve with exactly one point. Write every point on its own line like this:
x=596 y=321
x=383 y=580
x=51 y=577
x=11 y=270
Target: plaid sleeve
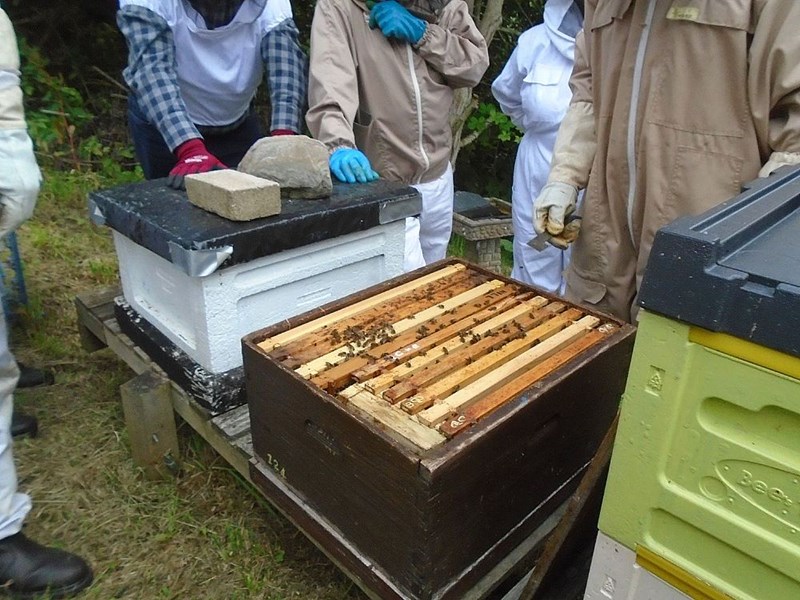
x=151 y=74
x=287 y=72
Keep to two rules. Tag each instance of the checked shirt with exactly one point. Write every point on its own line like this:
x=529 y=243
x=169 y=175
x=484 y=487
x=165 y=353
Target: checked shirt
x=152 y=77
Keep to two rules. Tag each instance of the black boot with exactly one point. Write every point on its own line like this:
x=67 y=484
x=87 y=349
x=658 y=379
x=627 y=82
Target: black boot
x=33 y=377
x=28 y=570
x=22 y=424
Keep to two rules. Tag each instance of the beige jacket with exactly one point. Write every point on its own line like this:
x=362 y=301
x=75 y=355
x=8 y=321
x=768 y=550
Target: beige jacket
x=11 y=113
x=715 y=88
x=386 y=97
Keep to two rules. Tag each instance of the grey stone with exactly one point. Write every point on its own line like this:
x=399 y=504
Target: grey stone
x=297 y=162
x=234 y=195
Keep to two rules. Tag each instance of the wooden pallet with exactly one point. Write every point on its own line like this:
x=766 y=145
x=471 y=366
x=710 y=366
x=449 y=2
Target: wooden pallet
x=228 y=433
x=152 y=400
x=432 y=357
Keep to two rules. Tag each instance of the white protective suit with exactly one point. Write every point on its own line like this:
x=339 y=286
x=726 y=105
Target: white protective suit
x=19 y=186
x=533 y=90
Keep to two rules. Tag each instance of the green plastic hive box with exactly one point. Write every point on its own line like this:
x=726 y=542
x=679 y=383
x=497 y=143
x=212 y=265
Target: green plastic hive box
x=705 y=471
x=706 y=465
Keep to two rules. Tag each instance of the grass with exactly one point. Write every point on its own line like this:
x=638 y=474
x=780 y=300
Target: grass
x=206 y=534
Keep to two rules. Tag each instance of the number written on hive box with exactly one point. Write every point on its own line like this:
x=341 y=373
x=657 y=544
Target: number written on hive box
x=276 y=466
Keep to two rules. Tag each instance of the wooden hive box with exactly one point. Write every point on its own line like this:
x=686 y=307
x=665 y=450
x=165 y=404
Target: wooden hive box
x=434 y=420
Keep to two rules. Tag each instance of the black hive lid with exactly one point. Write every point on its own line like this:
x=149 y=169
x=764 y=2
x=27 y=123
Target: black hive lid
x=165 y=222
x=736 y=268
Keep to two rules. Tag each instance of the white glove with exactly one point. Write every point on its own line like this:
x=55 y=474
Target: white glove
x=552 y=205
x=778 y=160
x=19 y=179
x=571 y=231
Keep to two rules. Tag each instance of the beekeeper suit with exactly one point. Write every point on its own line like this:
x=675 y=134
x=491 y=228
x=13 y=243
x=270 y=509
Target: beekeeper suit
x=676 y=104
x=26 y=568
x=381 y=81
x=533 y=90
x=19 y=186
x=194 y=68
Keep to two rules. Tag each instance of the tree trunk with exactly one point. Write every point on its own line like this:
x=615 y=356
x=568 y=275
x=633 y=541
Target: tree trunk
x=488 y=15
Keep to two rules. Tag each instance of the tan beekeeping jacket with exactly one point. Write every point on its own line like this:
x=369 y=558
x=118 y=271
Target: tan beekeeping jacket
x=715 y=88
x=11 y=113
x=386 y=97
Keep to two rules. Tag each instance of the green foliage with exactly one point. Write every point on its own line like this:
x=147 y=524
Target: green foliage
x=486 y=164
x=489 y=123
x=54 y=110
x=60 y=124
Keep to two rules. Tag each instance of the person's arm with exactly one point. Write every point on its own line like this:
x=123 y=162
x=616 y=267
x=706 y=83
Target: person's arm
x=574 y=150
x=576 y=142
x=152 y=76
x=332 y=83
x=774 y=80
x=333 y=94
x=506 y=89
x=455 y=47
x=19 y=176
x=287 y=77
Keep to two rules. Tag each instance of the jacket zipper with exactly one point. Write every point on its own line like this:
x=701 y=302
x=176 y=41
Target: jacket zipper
x=634 y=113
x=418 y=100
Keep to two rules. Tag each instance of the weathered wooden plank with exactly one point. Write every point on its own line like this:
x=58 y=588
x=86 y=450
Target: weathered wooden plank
x=123 y=347
x=198 y=419
x=236 y=455
x=491 y=341
x=233 y=423
x=244 y=444
x=338 y=355
x=100 y=301
x=486 y=405
x=500 y=375
x=147 y=406
x=395 y=422
x=458 y=378
x=357 y=307
x=409 y=344
x=93 y=308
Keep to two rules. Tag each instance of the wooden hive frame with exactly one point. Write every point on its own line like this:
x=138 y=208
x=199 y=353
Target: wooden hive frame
x=433 y=356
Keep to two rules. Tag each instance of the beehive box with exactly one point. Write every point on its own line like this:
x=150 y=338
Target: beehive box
x=437 y=419
x=710 y=421
x=204 y=281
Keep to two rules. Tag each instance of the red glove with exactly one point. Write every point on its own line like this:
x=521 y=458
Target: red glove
x=275 y=132
x=193 y=157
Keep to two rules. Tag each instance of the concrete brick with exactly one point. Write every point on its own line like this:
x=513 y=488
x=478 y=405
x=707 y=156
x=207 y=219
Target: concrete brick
x=234 y=195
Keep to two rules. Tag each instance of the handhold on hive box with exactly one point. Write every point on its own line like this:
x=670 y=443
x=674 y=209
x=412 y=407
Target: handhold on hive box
x=298 y=163
x=234 y=195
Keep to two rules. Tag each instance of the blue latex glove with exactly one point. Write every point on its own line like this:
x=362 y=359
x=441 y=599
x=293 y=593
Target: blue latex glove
x=350 y=165
x=395 y=21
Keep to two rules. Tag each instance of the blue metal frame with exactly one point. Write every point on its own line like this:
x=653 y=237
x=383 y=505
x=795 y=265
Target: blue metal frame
x=13 y=291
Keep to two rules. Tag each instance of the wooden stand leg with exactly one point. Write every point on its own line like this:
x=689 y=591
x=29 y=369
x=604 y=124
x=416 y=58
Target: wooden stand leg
x=147 y=405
